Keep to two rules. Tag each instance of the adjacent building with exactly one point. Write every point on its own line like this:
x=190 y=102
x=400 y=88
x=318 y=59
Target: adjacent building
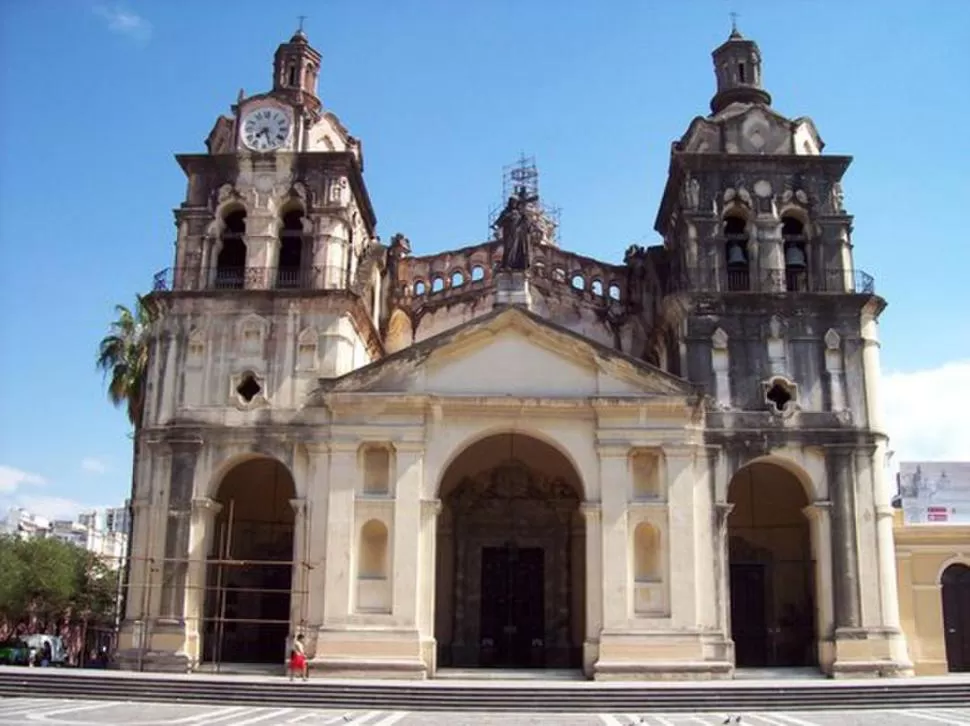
x=508 y=454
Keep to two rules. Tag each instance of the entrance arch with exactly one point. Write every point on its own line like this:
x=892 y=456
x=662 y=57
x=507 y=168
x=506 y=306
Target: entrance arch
x=511 y=558
x=955 y=587
x=772 y=571
x=249 y=572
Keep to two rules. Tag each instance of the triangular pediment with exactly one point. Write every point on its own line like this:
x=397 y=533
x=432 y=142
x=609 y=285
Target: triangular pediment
x=510 y=352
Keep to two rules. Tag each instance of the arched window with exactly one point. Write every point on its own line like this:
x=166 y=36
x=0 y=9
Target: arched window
x=736 y=253
x=597 y=288
x=478 y=273
x=289 y=269
x=420 y=288
x=578 y=282
x=796 y=262
x=614 y=291
x=457 y=278
x=231 y=261
x=437 y=284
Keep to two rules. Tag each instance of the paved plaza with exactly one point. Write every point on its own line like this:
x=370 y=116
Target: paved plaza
x=63 y=712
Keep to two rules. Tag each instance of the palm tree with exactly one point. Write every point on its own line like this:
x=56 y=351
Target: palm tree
x=123 y=359
x=123 y=356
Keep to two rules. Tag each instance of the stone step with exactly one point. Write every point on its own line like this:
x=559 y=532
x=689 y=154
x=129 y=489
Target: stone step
x=558 y=697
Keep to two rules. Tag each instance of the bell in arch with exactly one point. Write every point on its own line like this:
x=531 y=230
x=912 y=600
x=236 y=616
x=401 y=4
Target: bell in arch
x=794 y=256
x=736 y=256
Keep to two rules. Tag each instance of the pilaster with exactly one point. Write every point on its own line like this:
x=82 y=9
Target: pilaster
x=593 y=514
x=682 y=503
x=407 y=533
x=819 y=515
x=614 y=472
x=204 y=512
x=427 y=559
x=340 y=533
x=300 y=590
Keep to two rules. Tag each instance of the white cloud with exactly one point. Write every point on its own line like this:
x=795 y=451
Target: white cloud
x=93 y=466
x=125 y=22
x=12 y=479
x=927 y=413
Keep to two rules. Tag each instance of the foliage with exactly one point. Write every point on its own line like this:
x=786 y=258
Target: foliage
x=46 y=582
x=123 y=355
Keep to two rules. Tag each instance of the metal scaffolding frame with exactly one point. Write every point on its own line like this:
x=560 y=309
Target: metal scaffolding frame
x=151 y=580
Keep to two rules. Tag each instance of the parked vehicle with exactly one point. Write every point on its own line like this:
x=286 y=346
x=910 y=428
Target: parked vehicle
x=49 y=648
x=14 y=651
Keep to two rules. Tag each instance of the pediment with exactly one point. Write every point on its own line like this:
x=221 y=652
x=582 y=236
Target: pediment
x=511 y=353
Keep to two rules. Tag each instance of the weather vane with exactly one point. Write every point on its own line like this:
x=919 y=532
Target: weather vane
x=301 y=18
x=734 y=21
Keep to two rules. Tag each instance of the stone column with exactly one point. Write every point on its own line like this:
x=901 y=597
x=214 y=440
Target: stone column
x=341 y=533
x=592 y=512
x=204 y=511
x=317 y=493
x=681 y=527
x=299 y=600
x=771 y=254
x=427 y=568
x=819 y=515
x=184 y=455
x=614 y=485
x=840 y=474
x=405 y=556
x=722 y=512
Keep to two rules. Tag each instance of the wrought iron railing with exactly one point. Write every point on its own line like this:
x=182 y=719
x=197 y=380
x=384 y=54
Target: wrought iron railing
x=791 y=279
x=249 y=278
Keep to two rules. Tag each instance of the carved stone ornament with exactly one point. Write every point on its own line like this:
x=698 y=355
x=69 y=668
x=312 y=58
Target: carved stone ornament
x=776 y=326
x=720 y=339
x=781 y=396
x=832 y=340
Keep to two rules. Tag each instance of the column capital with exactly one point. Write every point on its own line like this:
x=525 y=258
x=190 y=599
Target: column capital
x=591 y=510
x=818 y=510
x=206 y=507
x=299 y=505
x=613 y=449
x=431 y=507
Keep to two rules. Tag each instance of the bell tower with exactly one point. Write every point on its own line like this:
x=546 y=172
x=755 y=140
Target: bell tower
x=296 y=67
x=737 y=65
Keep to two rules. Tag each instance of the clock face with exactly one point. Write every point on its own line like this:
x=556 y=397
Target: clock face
x=265 y=129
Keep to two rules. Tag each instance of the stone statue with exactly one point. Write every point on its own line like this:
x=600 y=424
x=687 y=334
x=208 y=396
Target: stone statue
x=517 y=227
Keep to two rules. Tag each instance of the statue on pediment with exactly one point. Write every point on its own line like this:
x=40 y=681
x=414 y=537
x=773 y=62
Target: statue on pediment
x=518 y=228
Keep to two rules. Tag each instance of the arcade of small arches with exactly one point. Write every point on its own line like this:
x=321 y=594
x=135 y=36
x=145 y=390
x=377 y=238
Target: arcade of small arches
x=512 y=576
x=797 y=252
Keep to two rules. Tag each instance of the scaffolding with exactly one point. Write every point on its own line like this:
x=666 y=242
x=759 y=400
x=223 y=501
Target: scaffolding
x=221 y=575
x=522 y=178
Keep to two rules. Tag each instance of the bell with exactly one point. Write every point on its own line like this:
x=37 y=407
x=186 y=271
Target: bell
x=794 y=256
x=736 y=256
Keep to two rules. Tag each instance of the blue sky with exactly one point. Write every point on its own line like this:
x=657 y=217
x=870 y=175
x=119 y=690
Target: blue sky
x=100 y=95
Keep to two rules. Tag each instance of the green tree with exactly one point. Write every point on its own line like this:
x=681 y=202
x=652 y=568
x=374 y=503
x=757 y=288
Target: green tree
x=123 y=357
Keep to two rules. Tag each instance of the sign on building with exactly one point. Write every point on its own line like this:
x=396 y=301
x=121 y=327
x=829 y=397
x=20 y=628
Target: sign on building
x=935 y=492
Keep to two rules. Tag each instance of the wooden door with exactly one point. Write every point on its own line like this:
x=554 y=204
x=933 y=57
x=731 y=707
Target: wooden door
x=512 y=607
x=956 y=617
x=749 y=621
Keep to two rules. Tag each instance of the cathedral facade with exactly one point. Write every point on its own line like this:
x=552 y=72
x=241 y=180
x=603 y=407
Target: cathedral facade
x=509 y=455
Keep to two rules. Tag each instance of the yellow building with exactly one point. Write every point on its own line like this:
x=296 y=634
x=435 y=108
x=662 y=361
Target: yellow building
x=933 y=570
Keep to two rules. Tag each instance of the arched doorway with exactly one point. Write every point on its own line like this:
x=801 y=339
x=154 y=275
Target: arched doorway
x=511 y=563
x=772 y=572
x=249 y=574
x=955 y=588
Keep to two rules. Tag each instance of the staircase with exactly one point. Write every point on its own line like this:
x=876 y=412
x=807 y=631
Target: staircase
x=454 y=695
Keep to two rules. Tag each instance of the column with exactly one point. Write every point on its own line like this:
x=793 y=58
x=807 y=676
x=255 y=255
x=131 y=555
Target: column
x=845 y=549
x=427 y=569
x=341 y=525
x=592 y=512
x=722 y=511
x=184 y=455
x=819 y=515
x=681 y=530
x=771 y=254
x=614 y=563
x=317 y=493
x=139 y=574
x=405 y=556
x=300 y=598
x=204 y=511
